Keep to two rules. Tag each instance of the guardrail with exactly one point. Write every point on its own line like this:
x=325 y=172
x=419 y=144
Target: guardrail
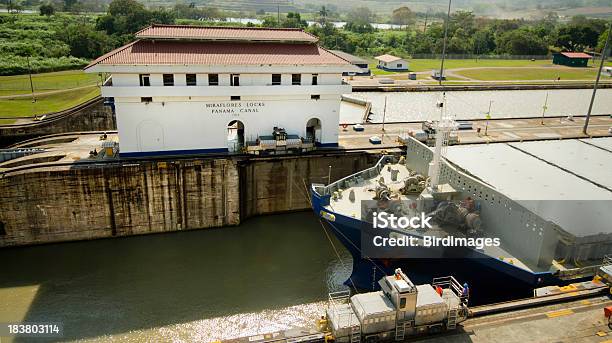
x=366 y=173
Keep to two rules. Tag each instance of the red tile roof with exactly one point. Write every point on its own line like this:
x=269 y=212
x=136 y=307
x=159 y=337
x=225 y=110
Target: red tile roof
x=225 y=33
x=387 y=58
x=145 y=52
x=576 y=55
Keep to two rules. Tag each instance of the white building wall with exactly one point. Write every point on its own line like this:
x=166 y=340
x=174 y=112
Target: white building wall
x=126 y=80
x=166 y=125
x=395 y=65
x=178 y=119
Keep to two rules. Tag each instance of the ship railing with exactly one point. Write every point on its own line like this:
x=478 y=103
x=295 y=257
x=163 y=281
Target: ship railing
x=607 y=260
x=341 y=314
x=449 y=282
x=357 y=177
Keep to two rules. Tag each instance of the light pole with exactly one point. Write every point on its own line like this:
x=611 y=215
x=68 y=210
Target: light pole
x=444 y=43
x=544 y=108
x=488 y=117
x=384 y=114
x=603 y=59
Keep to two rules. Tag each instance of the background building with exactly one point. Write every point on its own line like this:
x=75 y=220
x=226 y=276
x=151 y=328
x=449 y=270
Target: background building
x=186 y=89
x=572 y=59
x=391 y=63
x=357 y=61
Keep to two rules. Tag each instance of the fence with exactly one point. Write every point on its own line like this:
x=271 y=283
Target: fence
x=487 y=57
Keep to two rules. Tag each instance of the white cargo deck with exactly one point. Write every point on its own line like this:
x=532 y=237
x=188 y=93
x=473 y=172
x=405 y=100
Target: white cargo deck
x=541 y=175
x=364 y=189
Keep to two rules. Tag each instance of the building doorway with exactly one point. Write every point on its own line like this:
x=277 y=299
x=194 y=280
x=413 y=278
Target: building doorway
x=313 y=130
x=235 y=136
x=150 y=136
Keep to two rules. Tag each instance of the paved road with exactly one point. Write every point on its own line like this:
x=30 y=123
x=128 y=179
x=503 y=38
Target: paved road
x=501 y=130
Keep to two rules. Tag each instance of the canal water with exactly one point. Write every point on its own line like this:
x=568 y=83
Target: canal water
x=270 y=273
x=419 y=106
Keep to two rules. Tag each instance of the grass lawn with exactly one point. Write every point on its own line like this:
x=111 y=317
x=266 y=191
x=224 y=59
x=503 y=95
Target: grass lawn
x=430 y=64
x=493 y=74
x=20 y=84
x=23 y=107
x=377 y=71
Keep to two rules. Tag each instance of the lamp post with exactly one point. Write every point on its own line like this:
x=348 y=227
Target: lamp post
x=544 y=108
x=384 y=114
x=603 y=59
x=488 y=117
x=444 y=43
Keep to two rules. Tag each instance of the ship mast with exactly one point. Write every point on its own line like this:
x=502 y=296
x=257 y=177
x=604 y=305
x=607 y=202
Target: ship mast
x=445 y=126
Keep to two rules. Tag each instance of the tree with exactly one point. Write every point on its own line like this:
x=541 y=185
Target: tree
x=601 y=42
x=361 y=14
x=69 y=5
x=521 y=42
x=484 y=42
x=84 y=41
x=46 y=9
x=128 y=16
x=359 y=20
x=403 y=16
x=269 y=21
x=576 y=37
x=293 y=19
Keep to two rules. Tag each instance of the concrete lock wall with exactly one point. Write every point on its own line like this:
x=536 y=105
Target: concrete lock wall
x=117 y=200
x=93 y=116
x=283 y=184
x=131 y=198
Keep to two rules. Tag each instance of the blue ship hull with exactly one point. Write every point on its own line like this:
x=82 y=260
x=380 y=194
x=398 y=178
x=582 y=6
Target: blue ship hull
x=490 y=279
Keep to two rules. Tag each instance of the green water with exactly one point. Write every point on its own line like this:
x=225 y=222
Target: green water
x=196 y=285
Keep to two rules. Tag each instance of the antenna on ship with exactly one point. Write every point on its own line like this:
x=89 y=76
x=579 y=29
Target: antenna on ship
x=446 y=124
x=444 y=128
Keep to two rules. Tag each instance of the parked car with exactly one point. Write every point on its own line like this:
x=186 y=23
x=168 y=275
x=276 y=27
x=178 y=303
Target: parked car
x=464 y=125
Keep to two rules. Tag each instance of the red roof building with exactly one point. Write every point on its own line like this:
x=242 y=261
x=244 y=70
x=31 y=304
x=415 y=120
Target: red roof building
x=189 y=89
x=194 y=45
x=572 y=59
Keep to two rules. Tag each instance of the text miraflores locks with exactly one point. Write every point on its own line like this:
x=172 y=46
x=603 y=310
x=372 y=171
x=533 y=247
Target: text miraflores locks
x=235 y=107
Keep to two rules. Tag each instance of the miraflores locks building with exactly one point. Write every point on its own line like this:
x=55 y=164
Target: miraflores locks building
x=189 y=89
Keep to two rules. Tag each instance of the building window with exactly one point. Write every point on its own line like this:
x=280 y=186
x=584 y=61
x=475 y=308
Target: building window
x=296 y=79
x=146 y=99
x=168 y=79
x=315 y=97
x=276 y=79
x=235 y=98
x=234 y=80
x=145 y=80
x=315 y=79
x=213 y=79
x=399 y=65
x=190 y=79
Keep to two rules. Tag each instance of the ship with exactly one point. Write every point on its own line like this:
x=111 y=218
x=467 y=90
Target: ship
x=503 y=191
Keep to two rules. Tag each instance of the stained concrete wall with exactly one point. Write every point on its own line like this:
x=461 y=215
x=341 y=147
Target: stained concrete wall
x=121 y=199
x=117 y=200
x=283 y=184
x=90 y=116
x=131 y=198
